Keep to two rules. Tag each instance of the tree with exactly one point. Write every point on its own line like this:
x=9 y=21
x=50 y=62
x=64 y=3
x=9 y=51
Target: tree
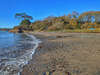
x=25 y=22
x=23 y=16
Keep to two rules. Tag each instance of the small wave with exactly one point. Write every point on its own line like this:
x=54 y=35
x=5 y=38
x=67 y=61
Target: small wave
x=14 y=66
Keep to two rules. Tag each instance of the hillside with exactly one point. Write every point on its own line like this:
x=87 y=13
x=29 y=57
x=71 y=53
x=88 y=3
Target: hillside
x=74 y=21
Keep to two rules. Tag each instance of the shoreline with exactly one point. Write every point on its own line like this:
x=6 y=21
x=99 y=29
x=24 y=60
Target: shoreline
x=65 y=53
x=14 y=66
x=36 y=42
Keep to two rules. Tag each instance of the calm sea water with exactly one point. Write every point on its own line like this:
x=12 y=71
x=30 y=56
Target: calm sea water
x=15 y=51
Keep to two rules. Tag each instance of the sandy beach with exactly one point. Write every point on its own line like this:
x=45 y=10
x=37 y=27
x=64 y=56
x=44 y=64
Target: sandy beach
x=65 y=54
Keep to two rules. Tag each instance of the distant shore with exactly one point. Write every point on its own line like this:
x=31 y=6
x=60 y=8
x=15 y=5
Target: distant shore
x=65 y=53
x=5 y=29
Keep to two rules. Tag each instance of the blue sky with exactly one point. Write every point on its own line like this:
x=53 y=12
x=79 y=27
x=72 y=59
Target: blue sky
x=40 y=9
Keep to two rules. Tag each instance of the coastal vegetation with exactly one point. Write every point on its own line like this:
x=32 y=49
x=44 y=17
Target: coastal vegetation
x=74 y=22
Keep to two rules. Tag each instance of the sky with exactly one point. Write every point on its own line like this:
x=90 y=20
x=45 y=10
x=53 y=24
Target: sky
x=40 y=9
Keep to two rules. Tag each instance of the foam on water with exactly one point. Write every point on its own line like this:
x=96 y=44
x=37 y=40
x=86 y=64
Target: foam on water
x=13 y=66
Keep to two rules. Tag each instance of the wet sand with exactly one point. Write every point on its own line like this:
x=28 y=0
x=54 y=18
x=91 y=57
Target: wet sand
x=66 y=53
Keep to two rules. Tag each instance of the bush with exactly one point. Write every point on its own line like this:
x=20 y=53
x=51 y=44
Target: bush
x=25 y=22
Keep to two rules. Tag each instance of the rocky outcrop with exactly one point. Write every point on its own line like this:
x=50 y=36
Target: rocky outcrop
x=21 y=29
x=16 y=29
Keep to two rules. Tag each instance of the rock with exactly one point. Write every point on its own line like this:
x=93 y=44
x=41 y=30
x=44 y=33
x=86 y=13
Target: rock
x=39 y=47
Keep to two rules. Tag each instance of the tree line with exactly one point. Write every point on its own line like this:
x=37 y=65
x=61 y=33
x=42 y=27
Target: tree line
x=71 y=21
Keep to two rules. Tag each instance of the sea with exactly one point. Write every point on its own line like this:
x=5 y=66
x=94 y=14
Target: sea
x=16 y=50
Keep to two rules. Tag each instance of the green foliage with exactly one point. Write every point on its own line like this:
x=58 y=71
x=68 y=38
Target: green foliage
x=72 y=22
x=25 y=22
x=23 y=16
